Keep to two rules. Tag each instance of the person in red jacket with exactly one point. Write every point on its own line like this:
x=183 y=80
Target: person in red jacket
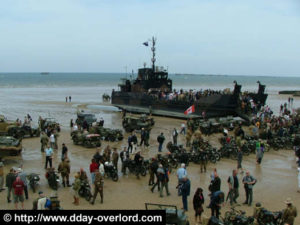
x=18 y=186
x=93 y=166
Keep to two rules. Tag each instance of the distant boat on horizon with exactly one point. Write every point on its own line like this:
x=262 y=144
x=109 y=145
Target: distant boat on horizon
x=45 y=73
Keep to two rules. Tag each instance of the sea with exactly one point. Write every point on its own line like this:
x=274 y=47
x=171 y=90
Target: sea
x=45 y=95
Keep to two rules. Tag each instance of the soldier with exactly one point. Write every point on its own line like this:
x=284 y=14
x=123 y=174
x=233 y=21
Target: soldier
x=203 y=160
x=64 y=170
x=289 y=213
x=44 y=141
x=76 y=187
x=188 y=137
x=115 y=157
x=106 y=154
x=98 y=186
x=64 y=152
x=198 y=135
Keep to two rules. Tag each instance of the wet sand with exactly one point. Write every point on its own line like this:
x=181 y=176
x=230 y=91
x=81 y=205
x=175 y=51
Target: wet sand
x=277 y=176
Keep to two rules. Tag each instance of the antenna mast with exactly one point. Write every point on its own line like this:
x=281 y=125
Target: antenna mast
x=153 y=53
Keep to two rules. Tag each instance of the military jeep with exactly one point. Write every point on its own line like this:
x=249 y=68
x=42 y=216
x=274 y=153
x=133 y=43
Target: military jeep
x=173 y=215
x=49 y=122
x=89 y=118
x=7 y=127
x=10 y=146
x=107 y=134
x=131 y=123
x=86 y=140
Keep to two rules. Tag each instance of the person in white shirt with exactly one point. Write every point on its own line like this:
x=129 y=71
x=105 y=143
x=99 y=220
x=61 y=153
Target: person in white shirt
x=52 y=141
x=42 y=201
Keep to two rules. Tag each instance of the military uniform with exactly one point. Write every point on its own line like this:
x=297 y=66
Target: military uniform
x=44 y=142
x=64 y=170
x=203 y=161
x=289 y=215
x=188 y=137
x=98 y=187
x=198 y=135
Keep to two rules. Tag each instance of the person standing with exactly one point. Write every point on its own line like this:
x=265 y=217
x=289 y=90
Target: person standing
x=259 y=152
x=248 y=182
x=215 y=184
x=203 y=160
x=182 y=129
x=64 y=152
x=239 y=160
x=93 y=167
x=115 y=157
x=198 y=201
x=298 y=180
x=143 y=137
x=185 y=192
x=23 y=176
x=233 y=183
x=138 y=159
x=98 y=187
x=1 y=176
x=160 y=139
x=10 y=179
x=147 y=137
x=152 y=170
x=64 y=169
x=44 y=141
x=76 y=187
x=49 y=154
x=129 y=140
x=52 y=140
x=163 y=179
x=289 y=213
x=181 y=173
x=124 y=155
x=18 y=186
x=216 y=202
x=134 y=142
x=188 y=137
x=98 y=157
x=175 y=135
x=70 y=98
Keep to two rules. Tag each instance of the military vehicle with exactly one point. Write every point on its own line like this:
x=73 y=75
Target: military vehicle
x=86 y=140
x=131 y=123
x=148 y=93
x=107 y=134
x=10 y=146
x=49 y=122
x=89 y=118
x=173 y=215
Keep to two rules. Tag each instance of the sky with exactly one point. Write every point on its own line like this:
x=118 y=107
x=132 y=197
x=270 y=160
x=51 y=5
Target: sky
x=233 y=37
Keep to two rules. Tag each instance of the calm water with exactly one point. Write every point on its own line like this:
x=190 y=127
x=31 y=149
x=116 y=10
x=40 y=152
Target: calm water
x=20 y=92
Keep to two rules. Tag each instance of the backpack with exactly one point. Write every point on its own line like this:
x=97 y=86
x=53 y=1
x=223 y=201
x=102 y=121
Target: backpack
x=48 y=204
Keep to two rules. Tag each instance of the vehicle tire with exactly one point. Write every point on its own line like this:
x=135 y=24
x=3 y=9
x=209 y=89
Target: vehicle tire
x=115 y=176
x=212 y=159
x=88 y=195
x=143 y=171
x=217 y=156
x=174 y=164
x=81 y=192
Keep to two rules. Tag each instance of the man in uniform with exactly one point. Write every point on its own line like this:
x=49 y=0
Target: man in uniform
x=188 y=137
x=44 y=141
x=289 y=213
x=64 y=170
x=98 y=187
x=10 y=178
x=115 y=157
x=203 y=160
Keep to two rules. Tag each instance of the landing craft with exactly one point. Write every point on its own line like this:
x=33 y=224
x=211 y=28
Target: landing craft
x=151 y=92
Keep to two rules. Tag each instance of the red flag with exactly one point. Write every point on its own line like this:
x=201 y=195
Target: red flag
x=190 y=110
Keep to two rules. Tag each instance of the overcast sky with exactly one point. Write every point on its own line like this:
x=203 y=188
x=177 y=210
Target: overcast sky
x=238 y=37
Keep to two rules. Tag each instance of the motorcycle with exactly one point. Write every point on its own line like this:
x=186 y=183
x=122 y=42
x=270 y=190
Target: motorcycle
x=53 y=179
x=85 y=190
x=266 y=217
x=111 y=171
x=33 y=181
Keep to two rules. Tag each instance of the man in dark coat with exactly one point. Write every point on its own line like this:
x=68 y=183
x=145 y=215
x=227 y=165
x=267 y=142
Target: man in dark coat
x=185 y=192
x=10 y=179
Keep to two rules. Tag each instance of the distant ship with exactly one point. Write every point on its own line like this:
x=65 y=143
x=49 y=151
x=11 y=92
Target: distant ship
x=147 y=94
x=45 y=73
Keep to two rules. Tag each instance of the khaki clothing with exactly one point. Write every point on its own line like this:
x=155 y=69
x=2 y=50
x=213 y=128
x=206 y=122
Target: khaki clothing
x=289 y=215
x=98 y=187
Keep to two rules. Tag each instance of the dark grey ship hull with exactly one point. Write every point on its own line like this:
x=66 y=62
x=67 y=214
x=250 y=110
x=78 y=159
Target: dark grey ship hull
x=214 y=106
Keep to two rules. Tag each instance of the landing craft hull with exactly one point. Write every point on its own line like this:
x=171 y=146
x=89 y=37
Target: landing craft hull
x=214 y=106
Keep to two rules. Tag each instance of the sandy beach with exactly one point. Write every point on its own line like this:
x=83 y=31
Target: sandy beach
x=277 y=175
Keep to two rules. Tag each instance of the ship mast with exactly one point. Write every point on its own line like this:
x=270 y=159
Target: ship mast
x=153 y=53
